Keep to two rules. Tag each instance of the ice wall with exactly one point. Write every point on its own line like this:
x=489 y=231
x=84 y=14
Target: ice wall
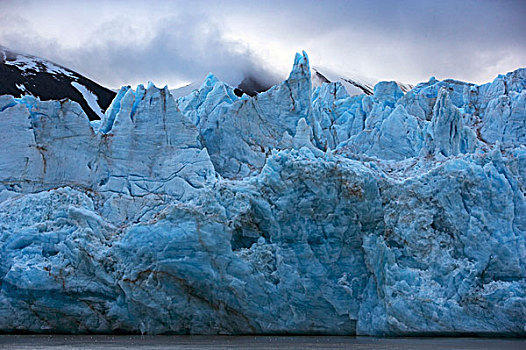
x=294 y=211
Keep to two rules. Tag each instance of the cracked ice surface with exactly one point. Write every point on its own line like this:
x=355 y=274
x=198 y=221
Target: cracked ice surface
x=294 y=211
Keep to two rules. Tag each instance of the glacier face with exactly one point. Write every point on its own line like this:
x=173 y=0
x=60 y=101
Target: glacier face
x=297 y=210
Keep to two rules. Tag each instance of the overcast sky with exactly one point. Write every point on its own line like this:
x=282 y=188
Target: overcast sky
x=174 y=42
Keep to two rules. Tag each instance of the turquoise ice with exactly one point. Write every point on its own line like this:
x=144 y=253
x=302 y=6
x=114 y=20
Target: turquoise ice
x=294 y=211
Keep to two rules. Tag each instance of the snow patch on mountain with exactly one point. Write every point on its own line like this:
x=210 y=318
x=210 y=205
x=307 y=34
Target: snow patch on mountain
x=22 y=88
x=90 y=98
x=32 y=65
x=25 y=63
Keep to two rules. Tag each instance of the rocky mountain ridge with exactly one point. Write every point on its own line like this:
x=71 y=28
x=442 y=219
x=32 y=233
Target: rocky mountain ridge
x=22 y=75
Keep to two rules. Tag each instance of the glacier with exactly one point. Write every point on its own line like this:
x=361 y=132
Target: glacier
x=296 y=211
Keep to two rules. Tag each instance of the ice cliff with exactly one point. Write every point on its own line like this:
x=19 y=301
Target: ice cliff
x=293 y=211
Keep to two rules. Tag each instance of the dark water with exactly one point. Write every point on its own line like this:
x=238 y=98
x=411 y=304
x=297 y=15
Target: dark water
x=95 y=342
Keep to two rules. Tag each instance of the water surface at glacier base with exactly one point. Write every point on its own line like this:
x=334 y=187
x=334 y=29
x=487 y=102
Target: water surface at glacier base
x=130 y=342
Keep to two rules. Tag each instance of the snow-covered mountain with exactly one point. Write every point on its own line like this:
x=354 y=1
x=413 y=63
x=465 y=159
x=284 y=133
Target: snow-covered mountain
x=22 y=74
x=298 y=210
x=355 y=85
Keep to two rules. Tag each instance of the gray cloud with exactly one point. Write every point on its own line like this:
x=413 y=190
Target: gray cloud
x=179 y=48
x=407 y=40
